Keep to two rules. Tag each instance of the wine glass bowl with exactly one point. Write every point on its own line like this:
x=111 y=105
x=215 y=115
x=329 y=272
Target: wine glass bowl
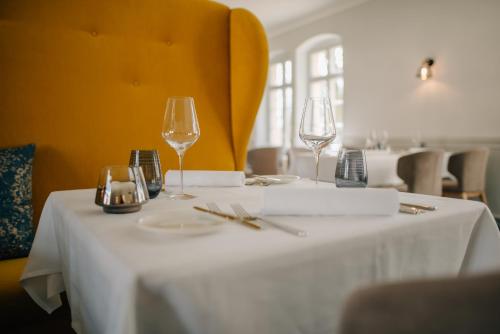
x=180 y=131
x=317 y=126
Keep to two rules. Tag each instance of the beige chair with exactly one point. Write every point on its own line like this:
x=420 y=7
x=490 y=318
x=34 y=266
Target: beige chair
x=470 y=170
x=265 y=160
x=422 y=172
x=465 y=305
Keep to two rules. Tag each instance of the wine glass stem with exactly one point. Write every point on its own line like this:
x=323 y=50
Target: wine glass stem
x=316 y=158
x=181 y=157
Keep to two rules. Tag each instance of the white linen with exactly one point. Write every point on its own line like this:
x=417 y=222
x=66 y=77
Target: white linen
x=121 y=279
x=382 y=167
x=205 y=178
x=312 y=201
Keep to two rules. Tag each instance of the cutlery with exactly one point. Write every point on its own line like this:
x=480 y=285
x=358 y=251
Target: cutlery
x=257 y=182
x=421 y=206
x=267 y=178
x=242 y=213
x=230 y=217
x=262 y=180
x=213 y=206
x=409 y=209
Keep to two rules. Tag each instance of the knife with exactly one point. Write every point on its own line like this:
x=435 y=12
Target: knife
x=421 y=206
x=409 y=209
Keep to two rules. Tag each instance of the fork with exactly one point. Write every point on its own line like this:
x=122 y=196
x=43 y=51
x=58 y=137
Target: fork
x=242 y=213
x=214 y=207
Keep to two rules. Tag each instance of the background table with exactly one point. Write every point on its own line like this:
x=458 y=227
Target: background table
x=121 y=279
x=382 y=166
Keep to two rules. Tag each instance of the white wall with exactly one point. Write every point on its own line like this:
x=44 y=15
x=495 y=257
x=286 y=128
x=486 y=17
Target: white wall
x=384 y=42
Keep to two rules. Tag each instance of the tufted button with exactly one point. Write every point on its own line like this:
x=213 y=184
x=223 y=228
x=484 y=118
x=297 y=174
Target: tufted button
x=135 y=83
x=169 y=43
x=93 y=33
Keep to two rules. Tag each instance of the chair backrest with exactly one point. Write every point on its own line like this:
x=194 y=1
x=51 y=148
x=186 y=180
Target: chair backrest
x=467 y=304
x=265 y=160
x=87 y=81
x=470 y=168
x=422 y=172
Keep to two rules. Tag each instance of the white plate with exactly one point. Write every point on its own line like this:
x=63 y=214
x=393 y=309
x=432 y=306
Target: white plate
x=182 y=224
x=281 y=179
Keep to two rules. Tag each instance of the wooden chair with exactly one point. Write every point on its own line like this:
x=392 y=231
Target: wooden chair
x=470 y=170
x=265 y=160
x=421 y=172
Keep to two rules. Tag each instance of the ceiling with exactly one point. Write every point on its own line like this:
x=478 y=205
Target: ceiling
x=276 y=13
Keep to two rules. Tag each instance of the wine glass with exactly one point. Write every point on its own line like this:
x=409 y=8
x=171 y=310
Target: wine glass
x=317 y=126
x=180 y=131
x=384 y=139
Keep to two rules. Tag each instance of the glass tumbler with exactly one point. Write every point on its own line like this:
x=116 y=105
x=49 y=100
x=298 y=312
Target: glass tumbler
x=351 y=169
x=149 y=161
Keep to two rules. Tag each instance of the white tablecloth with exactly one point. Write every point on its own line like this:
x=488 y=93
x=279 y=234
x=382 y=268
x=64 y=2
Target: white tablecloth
x=121 y=279
x=381 y=165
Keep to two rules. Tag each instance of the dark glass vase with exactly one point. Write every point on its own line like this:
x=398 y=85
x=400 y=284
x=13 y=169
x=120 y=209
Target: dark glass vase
x=149 y=161
x=351 y=171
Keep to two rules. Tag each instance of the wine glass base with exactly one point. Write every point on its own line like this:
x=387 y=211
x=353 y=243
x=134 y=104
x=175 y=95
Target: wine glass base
x=180 y=196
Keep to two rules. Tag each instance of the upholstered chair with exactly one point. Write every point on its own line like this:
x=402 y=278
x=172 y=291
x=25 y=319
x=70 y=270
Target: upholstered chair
x=470 y=170
x=87 y=81
x=265 y=160
x=422 y=172
x=440 y=306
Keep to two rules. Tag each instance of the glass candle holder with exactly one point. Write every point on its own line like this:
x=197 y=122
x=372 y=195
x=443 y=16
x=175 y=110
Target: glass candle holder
x=121 y=189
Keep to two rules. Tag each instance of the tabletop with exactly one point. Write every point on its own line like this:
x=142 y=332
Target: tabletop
x=381 y=164
x=120 y=278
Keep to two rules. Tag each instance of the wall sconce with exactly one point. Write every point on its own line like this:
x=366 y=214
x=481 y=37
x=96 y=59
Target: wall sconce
x=425 y=72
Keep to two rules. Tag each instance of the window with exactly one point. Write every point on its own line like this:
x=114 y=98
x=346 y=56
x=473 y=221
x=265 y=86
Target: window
x=314 y=68
x=326 y=68
x=280 y=101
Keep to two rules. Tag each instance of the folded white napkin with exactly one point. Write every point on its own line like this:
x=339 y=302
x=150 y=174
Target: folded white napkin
x=309 y=201
x=205 y=178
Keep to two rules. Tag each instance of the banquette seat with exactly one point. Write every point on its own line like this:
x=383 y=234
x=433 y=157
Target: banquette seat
x=87 y=81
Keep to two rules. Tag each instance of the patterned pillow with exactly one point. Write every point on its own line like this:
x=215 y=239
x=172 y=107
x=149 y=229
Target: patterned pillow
x=16 y=210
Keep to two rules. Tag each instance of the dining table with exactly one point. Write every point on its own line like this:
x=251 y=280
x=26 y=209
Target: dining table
x=121 y=277
x=381 y=166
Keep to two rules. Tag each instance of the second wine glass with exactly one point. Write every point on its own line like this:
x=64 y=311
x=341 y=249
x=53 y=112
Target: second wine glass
x=317 y=126
x=180 y=131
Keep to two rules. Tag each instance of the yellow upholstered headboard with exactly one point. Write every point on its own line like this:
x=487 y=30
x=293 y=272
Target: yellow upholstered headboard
x=88 y=80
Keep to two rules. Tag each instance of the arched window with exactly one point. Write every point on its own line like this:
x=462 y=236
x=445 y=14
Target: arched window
x=326 y=66
x=279 y=102
x=273 y=126
x=320 y=72
x=314 y=68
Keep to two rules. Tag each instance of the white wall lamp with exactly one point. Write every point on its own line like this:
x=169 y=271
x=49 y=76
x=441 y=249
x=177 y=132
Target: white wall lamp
x=425 y=72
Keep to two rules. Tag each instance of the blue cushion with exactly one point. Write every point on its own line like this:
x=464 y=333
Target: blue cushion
x=16 y=210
